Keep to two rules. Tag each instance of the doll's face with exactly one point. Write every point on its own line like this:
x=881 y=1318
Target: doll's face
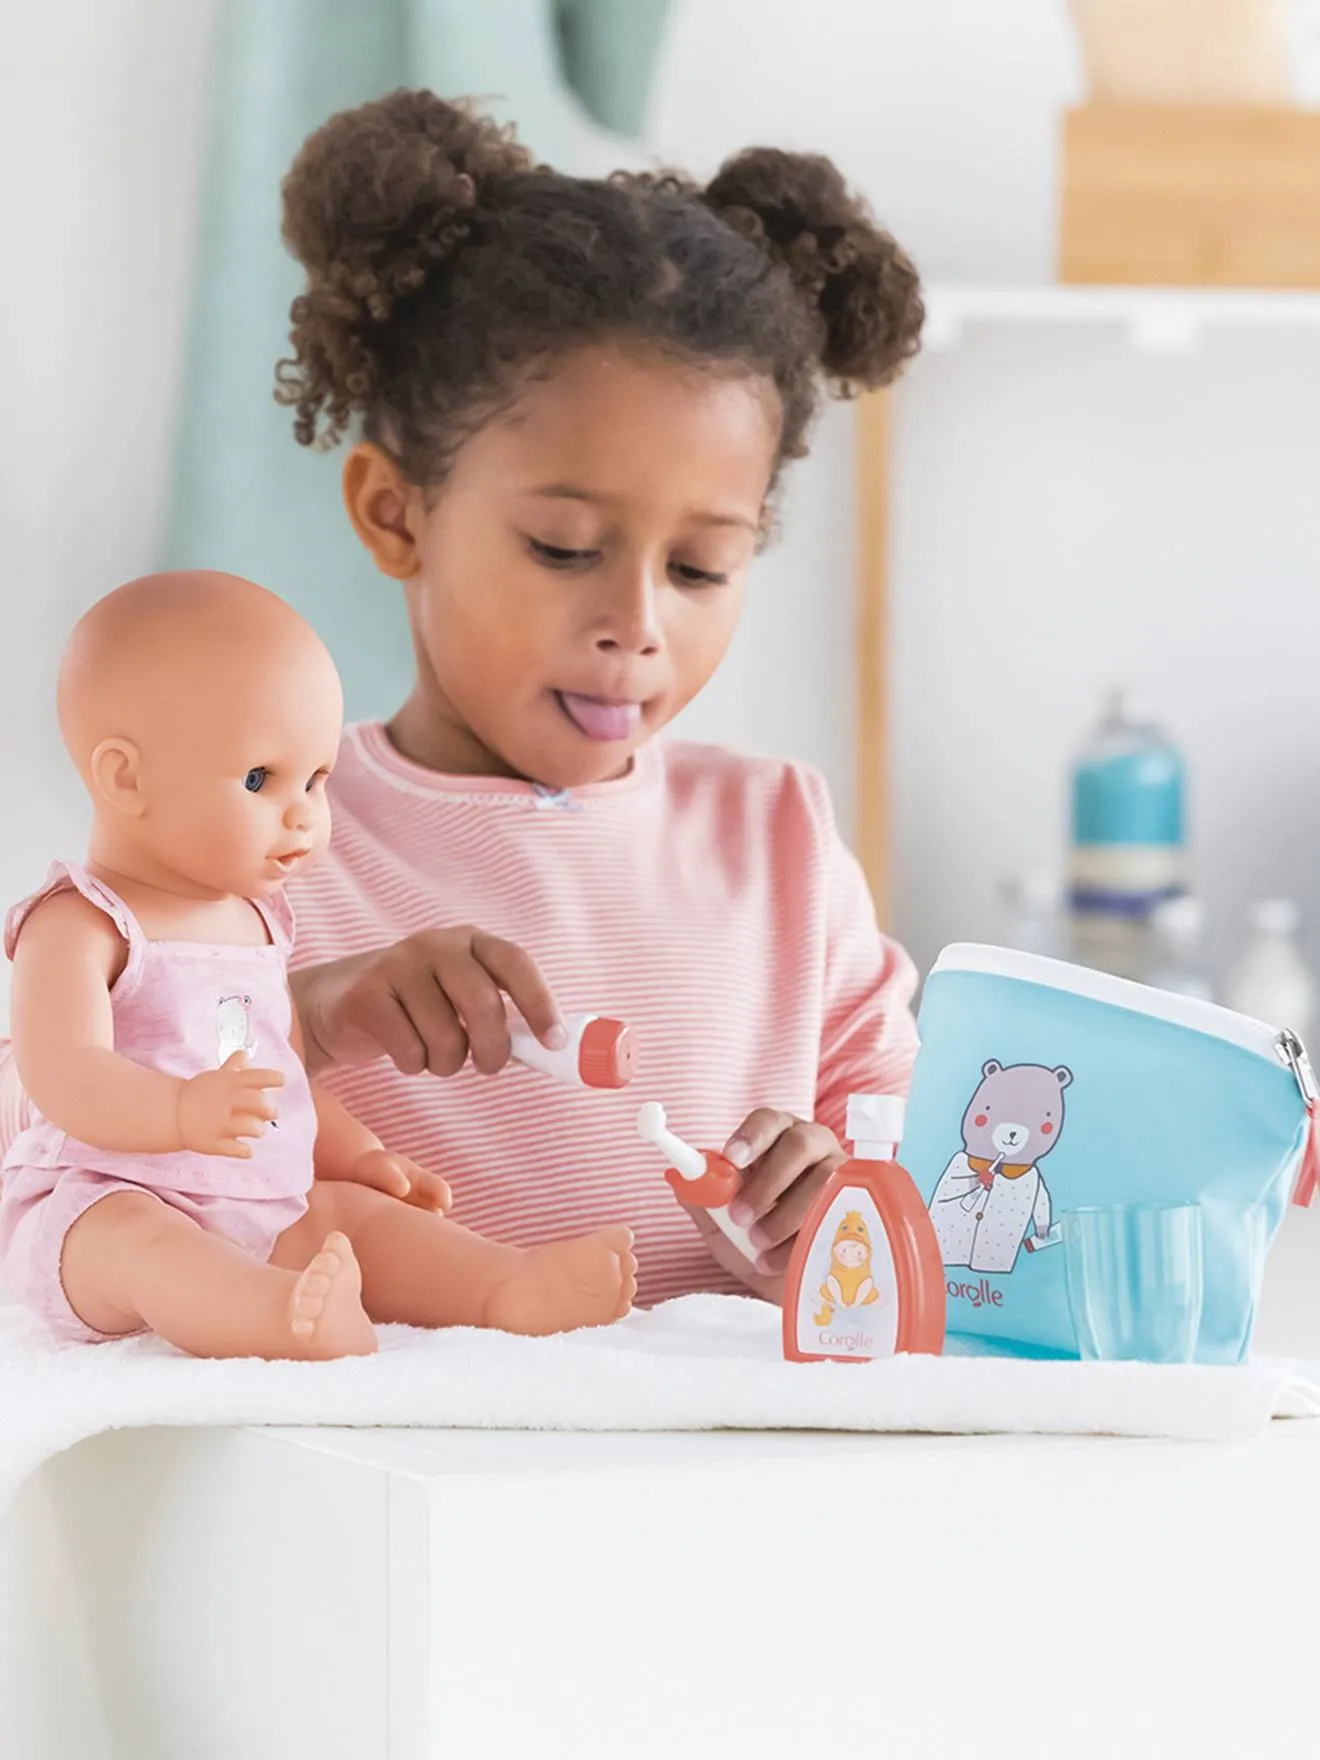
x=204 y=717
x=233 y=787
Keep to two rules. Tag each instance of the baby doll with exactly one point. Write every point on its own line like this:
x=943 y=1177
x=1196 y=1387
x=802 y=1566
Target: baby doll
x=167 y=1184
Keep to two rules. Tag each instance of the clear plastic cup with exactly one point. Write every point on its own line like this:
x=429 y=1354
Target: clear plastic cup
x=1135 y=1281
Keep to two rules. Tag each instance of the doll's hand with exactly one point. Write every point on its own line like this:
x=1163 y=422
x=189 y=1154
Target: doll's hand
x=787 y=1161
x=401 y=1178
x=425 y=1003
x=221 y=1109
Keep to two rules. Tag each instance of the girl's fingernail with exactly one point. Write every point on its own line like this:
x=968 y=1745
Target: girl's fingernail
x=556 y=1039
x=739 y=1152
x=758 y=1239
x=740 y=1212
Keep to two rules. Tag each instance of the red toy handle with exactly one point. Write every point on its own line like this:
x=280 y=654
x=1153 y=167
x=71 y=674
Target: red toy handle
x=716 y=1188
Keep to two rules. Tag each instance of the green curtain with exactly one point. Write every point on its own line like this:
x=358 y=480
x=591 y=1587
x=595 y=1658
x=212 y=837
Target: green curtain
x=244 y=496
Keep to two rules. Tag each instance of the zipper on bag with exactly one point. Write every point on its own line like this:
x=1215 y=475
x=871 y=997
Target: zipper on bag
x=1293 y=1053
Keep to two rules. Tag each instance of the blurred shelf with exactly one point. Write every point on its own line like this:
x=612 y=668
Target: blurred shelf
x=1157 y=320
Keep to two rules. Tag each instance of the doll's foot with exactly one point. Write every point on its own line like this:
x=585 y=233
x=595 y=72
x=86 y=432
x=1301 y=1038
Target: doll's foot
x=326 y=1315
x=587 y=1282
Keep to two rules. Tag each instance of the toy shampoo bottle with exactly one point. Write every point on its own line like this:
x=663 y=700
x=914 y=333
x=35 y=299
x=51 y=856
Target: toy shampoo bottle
x=866 y=1278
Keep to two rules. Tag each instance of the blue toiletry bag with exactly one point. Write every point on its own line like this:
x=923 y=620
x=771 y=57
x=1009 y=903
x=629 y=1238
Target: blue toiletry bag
x=1042 y=1088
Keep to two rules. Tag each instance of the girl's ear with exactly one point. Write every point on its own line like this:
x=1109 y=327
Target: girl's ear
x=385 y=510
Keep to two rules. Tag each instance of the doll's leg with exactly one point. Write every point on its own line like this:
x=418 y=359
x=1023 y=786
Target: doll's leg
x=131 y=1261
x=424 y=1270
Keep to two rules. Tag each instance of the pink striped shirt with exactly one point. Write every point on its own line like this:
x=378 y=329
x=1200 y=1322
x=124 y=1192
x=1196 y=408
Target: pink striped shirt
x=706 y=898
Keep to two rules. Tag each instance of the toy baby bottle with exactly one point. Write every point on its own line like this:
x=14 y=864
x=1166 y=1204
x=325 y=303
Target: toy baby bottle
x=866 y=1278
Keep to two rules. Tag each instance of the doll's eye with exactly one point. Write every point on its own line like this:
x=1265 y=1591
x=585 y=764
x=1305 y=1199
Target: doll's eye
x=255 y=779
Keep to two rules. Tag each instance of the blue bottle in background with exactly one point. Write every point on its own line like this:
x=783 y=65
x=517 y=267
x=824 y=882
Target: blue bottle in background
x=1128 y=839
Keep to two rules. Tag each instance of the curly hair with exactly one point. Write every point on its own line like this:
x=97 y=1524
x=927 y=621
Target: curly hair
x=445 y=267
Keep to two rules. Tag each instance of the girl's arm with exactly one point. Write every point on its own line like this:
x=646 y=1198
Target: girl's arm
x=868 y=1034
x=426 y=1003
x=868 y=1043
x=67 y=957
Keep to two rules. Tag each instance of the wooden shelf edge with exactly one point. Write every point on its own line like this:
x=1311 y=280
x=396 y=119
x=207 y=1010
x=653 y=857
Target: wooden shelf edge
x=871 y=626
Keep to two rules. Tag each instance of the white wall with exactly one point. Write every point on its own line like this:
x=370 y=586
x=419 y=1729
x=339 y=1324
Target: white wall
x=101 y=111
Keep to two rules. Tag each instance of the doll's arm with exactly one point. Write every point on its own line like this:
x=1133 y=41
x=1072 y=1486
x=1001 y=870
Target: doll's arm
x=346 y=1149
x=67 y=957
x=341 y=1140
x=66 y=960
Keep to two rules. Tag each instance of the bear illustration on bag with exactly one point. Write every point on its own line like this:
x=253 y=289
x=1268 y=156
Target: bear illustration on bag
x=991 y=1197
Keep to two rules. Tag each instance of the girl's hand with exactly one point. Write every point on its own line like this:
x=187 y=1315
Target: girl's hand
x=787 y=1161
x=427 y=1003
x=399 y=1177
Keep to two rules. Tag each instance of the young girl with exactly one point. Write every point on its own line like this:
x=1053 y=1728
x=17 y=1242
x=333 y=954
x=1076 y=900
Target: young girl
x=573 y=401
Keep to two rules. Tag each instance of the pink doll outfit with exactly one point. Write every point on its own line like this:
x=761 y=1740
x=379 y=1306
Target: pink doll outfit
x=180 y=1007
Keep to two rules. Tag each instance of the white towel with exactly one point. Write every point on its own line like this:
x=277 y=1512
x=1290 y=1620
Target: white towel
x=703 y=1363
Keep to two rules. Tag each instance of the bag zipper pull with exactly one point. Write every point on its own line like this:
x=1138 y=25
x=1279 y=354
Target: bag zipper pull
x=1293 y=1053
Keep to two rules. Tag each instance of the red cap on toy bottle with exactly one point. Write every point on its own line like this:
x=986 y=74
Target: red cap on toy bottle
x=606 y=1055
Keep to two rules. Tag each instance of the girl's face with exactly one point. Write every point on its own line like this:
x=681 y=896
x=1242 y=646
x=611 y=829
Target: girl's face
x=581 y=573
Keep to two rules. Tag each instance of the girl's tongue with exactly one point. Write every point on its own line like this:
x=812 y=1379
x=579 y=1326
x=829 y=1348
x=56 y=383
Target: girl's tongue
x=598 y=719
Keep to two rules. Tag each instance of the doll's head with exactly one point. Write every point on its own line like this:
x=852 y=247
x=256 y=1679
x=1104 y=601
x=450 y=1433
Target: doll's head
x=575 y=396
x=204 y=717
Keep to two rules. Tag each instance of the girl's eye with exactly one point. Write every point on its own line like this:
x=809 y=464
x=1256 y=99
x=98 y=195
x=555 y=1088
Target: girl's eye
x=316 y=781
x=556 y=556
x=698 y=577
x=255 y=779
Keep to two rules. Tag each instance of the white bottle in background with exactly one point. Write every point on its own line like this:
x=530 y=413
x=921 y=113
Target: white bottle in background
x=1177 y=948
x=1271 y=980
x=1031 y=914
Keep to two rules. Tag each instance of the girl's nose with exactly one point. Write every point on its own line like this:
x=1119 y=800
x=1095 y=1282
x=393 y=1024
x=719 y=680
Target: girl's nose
x=299 y=813
x=629 y=621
